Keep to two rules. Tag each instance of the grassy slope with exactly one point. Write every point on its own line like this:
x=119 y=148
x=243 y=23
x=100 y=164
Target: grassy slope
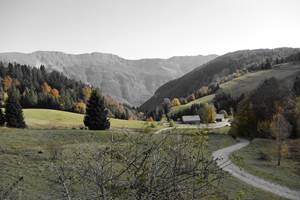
x=247 y=83
x=45 y=118
x=205 y=99
x=19 y=156
x=287 y=174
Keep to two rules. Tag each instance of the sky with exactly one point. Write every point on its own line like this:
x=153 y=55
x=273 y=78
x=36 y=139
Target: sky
x=136 y=29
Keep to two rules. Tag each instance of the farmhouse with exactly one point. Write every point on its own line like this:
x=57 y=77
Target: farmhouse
x=220 y=118
x=191 y=119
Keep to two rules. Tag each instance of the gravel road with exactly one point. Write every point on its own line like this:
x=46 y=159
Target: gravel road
x=222 y=158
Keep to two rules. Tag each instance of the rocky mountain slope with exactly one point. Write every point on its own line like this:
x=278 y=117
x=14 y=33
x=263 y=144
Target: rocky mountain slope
x=129 y=81
x=214 y=70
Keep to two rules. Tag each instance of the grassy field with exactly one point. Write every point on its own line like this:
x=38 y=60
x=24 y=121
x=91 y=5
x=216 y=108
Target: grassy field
x=54 y=119
x=205 y=99
x=247 y=83
x=250 y=158
x=26 y=153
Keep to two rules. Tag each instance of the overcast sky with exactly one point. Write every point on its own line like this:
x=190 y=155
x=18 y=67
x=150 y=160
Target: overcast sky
x=148 y=28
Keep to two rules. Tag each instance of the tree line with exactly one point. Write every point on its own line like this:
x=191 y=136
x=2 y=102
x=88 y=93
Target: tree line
x=96 y=117
x=39 y=88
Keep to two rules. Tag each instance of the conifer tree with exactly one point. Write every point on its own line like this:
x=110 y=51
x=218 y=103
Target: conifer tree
x=2 y=118
x=96 y=117
x=13 y=110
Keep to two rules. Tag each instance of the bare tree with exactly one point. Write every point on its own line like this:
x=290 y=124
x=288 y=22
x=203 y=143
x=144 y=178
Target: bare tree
x=280 y=129
x=11 y=191
x=143 y=167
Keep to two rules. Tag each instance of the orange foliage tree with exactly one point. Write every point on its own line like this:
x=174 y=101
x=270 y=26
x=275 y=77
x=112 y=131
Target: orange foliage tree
x=7 y=83
x=46 y=89
x=87 y=91
x=54 y=92
x=80 y=107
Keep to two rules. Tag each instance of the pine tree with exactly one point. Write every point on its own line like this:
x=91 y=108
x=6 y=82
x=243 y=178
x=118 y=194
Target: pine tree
x=2 y=118
x=29 y=99
x=96 y=114
x=13 y=110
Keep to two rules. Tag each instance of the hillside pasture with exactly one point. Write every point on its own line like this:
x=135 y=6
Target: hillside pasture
x=250 y=81
x=205 y=99
x=26 y=153
x=55 y=119
x=247 y=83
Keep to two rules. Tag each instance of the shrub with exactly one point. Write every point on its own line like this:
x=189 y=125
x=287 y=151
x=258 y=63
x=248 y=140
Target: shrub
x=263 y=156
x=175 y=102
x=171 y=123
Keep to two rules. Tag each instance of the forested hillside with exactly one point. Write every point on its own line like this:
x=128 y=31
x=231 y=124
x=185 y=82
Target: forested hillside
x=217 y=71
x=41 y=89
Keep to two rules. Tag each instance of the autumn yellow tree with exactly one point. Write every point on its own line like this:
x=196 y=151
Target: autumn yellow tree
x=280 y=129
x=7 y=83
x=175 y=102
x=150 y=119
x=46 y=89
x=80 y=107
x=211 y=113
x=87 y=91
x=202 y=91
x=207 y=113
x=54 y=92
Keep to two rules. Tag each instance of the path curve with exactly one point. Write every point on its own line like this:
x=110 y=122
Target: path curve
x=222 y=158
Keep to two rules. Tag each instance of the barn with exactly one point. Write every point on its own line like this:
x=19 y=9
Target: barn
x=191 y=119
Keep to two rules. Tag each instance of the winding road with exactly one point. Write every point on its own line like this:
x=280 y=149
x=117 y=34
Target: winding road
x=222 y=158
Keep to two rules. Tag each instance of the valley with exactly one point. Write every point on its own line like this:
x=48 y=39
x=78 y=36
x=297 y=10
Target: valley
x=98 y=144
x=149 y=100
x=27 y=154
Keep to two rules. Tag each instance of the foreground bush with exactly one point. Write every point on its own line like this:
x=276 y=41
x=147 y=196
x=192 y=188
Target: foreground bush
x=143 y=167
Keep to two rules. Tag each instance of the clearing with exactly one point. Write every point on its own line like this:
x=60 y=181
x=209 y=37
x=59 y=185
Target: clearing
x=56 y=119
x=25 y=152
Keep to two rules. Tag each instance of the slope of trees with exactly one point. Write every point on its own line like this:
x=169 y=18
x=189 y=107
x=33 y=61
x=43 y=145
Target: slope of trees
x=41 y=89
x=256 y=111
x=13 y=110
x=216 y=70
x=224 y=101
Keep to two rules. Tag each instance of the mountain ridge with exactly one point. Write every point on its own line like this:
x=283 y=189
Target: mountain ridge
x=129 y=81
x=213 y=70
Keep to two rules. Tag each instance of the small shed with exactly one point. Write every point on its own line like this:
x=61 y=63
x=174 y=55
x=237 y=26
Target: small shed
x=191 y=119
x=220 y=117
